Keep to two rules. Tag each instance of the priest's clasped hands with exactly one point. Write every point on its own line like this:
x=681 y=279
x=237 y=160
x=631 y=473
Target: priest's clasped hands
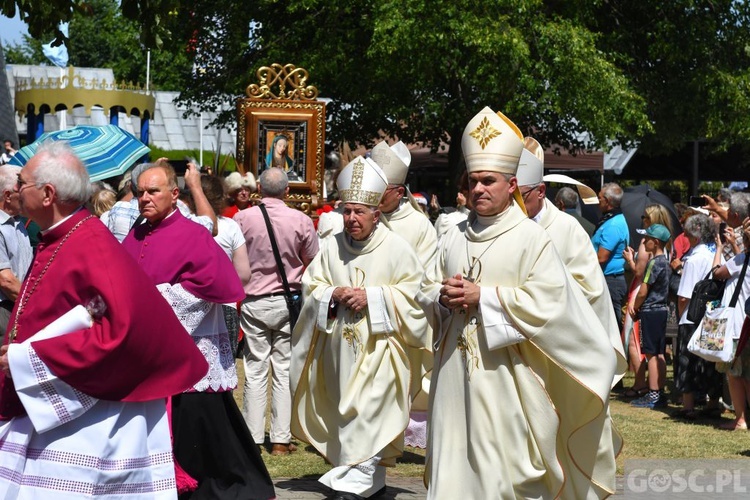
x=458 y=292
x=353 y=298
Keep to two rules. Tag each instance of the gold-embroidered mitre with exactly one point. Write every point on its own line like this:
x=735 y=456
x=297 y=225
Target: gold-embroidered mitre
x=362 y=181
x=394 y=160
x=492 y=143
x=531 y=164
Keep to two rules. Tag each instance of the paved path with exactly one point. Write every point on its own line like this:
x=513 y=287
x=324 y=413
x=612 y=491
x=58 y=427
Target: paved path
x=399 y=488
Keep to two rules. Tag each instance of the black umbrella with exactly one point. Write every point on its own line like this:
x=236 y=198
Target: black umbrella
x=634 y=202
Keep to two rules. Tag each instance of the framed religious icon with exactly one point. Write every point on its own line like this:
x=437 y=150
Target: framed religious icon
x=284 y=129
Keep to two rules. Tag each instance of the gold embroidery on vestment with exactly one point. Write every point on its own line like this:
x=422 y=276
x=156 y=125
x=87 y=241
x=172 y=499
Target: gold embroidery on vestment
x=467 y=344
x=485 y=132
x=352 y=338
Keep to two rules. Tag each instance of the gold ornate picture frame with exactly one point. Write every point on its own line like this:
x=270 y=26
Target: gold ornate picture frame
x=285 y=130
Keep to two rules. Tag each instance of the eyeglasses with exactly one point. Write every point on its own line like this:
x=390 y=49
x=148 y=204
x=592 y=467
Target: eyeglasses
x=526 y=194
x=645 y=217
x=20 y=183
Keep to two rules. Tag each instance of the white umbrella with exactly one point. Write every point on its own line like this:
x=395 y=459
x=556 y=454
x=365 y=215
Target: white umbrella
x=588 y=195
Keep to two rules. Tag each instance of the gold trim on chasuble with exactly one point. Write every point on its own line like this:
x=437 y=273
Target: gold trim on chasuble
x=350 y=331
x=355 y=194
x=468 y=344
x=467 y=341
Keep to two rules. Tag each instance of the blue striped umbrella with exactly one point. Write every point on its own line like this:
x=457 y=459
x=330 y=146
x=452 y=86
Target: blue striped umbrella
x=106 y=151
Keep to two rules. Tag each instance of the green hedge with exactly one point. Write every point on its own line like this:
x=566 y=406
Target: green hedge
x=226 y=162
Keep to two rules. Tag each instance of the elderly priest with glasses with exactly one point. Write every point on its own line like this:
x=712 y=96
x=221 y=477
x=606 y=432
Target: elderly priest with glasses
x=92 y=352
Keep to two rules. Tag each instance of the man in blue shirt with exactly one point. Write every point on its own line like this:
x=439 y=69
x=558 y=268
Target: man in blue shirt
x=15 y=250
x=610 y=239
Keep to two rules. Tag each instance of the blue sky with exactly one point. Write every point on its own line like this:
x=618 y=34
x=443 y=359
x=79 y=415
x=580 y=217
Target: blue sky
x=11 y=30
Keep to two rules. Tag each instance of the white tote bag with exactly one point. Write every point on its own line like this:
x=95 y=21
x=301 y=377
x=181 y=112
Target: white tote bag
x=713 y=339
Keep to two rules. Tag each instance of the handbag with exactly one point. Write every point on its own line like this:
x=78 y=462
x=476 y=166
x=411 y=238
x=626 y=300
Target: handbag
x=713 y=340
x=293 y=299
x=705 y=291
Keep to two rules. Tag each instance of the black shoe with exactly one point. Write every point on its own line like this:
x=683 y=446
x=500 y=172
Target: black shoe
x=378 y=493
x=345 y=495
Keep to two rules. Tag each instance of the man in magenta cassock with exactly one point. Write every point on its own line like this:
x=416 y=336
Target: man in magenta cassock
x=211 y=441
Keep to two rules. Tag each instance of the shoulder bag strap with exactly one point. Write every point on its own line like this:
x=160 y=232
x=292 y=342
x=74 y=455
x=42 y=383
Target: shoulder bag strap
x=275 y=248
x=710 y=272
x=738 y=287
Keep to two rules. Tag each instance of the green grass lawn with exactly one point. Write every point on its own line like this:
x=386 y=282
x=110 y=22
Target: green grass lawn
x=647 y=434
x=654 y=434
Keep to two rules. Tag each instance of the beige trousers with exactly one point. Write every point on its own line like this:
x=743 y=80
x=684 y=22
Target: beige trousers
x=265 y=323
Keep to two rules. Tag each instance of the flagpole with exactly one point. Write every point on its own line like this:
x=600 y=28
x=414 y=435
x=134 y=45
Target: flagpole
x=200 y=159
x=148 y=68
x=62 y=115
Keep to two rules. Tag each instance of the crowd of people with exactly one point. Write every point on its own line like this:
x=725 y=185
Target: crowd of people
x=376 y=327
x=707 y=242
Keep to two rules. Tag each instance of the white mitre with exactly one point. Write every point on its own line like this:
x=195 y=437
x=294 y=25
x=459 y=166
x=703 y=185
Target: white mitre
x=394 y=160
x=362 y=181
x=492 y=143
x=531 y=164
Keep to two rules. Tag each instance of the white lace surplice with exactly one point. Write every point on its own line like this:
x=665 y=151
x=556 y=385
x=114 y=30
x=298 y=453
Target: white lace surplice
x=73 y=446
x=204 y=321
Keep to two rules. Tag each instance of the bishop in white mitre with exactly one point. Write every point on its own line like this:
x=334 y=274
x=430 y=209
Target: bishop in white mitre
x=519 y=393
x=350 y=371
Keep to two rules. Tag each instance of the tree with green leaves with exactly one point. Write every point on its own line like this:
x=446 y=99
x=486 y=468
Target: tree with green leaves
x=101 y=37
x=43 y=16
x=418 y=69
x=576 y=74
x=222 y=38
x=690 y=61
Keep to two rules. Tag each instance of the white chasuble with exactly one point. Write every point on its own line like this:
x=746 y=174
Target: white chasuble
x=520 y=387
x=574 y=246
x=349 y=371
x=413 y=226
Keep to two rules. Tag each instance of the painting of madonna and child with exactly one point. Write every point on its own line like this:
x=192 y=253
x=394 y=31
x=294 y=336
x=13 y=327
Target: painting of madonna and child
x=282 y=145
